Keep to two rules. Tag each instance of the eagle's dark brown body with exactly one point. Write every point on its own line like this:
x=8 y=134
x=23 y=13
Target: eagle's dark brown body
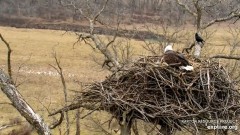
x=175 y=59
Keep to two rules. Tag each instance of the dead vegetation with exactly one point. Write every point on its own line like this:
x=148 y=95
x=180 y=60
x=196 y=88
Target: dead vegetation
x=24 y=130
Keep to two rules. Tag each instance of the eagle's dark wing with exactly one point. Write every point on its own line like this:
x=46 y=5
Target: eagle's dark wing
x=175 y=59
x=183 y=58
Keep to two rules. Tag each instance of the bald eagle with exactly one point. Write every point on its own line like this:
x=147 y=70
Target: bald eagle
x=175 y=59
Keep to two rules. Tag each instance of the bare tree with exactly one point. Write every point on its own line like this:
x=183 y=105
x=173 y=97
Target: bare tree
x=17 y=100
x=170 y=34
x=206 y=14
x=58 y=68
x=232 y=54
x=98 y=42
x=199 y=8
x=22 y=106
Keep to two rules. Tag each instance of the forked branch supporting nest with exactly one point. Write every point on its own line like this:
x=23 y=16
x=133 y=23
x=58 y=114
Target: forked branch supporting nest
x=166 y=96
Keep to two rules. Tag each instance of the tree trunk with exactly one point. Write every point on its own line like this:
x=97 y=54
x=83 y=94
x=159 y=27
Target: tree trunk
x=78 y=122
x=199 y=19
x=197 y=51
x=22 y=106
x=125 y=124
x=105 y=51
x=126 y=129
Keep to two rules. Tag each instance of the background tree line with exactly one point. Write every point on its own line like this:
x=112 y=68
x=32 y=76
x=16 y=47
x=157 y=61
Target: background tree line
x=130 y=11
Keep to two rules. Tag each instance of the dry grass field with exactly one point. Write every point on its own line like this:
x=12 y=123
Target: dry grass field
x=39 y=83
x=32 y=51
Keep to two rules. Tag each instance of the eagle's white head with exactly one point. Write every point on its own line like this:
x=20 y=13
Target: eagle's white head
x=169 y=47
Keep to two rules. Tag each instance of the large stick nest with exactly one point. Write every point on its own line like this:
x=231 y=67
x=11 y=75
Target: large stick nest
x=166 y=96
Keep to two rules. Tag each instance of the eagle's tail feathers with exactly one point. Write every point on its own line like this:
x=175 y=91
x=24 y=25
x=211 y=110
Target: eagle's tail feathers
x=188 y=68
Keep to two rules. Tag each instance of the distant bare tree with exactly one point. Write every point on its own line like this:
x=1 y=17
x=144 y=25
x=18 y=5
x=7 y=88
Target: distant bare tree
x=98 y=43
x=169 y=34
x=233 y=55
x=207 y=13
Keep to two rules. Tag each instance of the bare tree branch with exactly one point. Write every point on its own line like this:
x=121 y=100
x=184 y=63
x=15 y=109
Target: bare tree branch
x=73 y=5
x=236 y=20
x=75 y=106
x=57 y=123
x=104 y=6
x=60 y=72
x=198 y=14
x=99 y=125
x=100 y=45
x=223 y=19
x=8 y=56
x=68 y=108
x=115 y=36
x=187 y=49
x=22 y=106
x=5 y=103
x=17 y=84
x=7 y=126
x=186 y=8
x=92 y=21
x=226 y=57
